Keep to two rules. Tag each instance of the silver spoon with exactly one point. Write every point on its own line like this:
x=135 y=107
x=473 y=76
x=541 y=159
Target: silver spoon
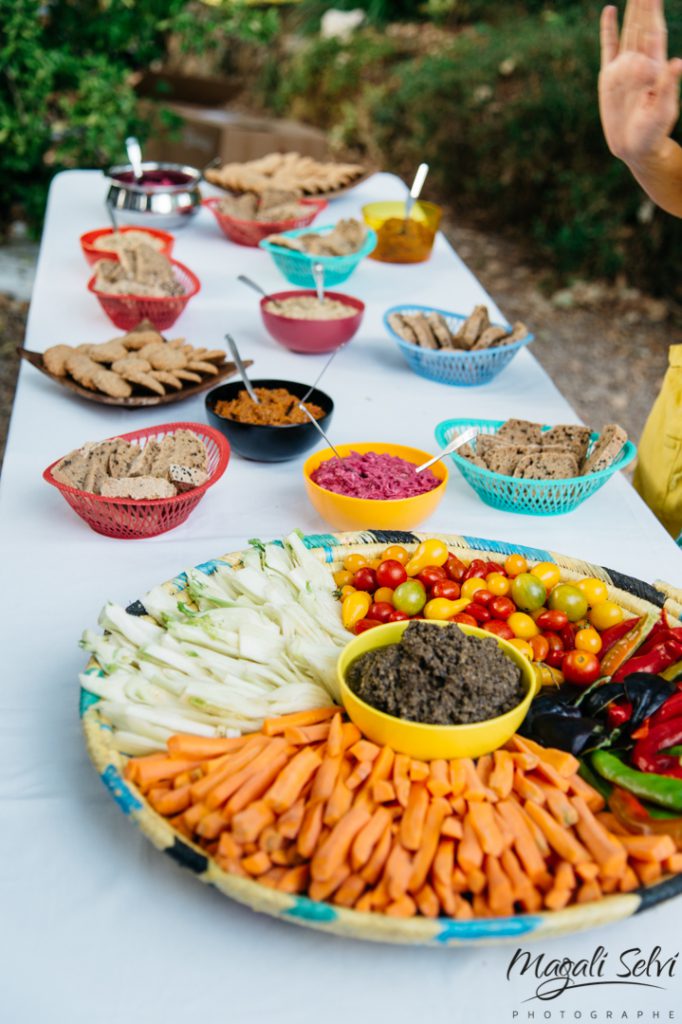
x=252 y=284
x=112 y=217
x=232 y=345
x=318 y=277
x=134 y=156
x=322 y=372
x=211 y=163
x=457 y=442
x=318 y=428
x=415 y=191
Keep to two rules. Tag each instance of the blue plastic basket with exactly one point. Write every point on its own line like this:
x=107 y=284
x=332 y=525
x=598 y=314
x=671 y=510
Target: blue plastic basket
x=530 y=497
x=297 y=266
x=461 y=369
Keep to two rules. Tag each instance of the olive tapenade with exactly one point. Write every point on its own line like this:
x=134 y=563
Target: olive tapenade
x=438 y=675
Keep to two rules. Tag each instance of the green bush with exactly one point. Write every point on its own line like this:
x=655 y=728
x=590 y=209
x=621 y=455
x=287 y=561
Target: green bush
x=507 y=117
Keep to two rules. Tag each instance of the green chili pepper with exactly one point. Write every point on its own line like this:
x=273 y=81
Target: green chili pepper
x=659 y=789
x=596 y=781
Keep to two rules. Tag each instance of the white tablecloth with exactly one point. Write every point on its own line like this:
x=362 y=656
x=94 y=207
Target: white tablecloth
x=95 y=925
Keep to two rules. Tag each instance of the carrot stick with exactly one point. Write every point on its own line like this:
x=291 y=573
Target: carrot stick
x=419 y=771
x=524 y=762
x=299 y=734
x=558 y=898
x=546 y=771
x=295 y=879
x=201 y=748
x=270 y=840
x=398 y=870
x=350 y=891
x=211 y=825
x=560 y=839
x=335 y=737
x=149 y=773
x=173 y=801
x=484 y=767
x=275 y=726
x=376 y=863
x=589 y=891
x=524 y=843
x=459 y=881
x=383 y=791
x=480 y=906
x=350 y=734
x=527 y=789
x=438 y=783
x=234 y=867
x=362 y=771
x=257 y=863
x=309 y=833
x=287 y=787
x=458 y=776
x=273 y=877
x=441 y=874
x=365 y=903
x=523 y=889
x=289 y=823
x=469 y=852
x=606 y=850
x=363 y=750
x=500 y=894
x=326 y=777
x=560 y=806
x=427 y=901
x=368 y=837
x=381 y=767
x=592 y=798
x=249 y=823
x=587 y=871
x=673 y=864
x=341 y=797
x=401 y=779
x=647 y=871
x=288 y=857
x=329 y=857
x=628 y=880
x=484 y=825
x=438 y=811
x=506 y=831
x=255 y=786
x=231 y=764
x=474 y=880
x=649 y=848
x=194 y=814
x=463 y=910
x=564 y=876
x=265 y=758
x=452 y=828
x=609 y=885
x=611 y=823
x=404 y=907
x=229 y=847
x=412 y=823
x=323 y=890
x=473 y=787
x=501 y=779
x=560 y=760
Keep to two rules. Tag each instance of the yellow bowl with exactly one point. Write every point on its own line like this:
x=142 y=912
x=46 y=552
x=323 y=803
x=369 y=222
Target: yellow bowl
x=345 y=513
x=428 y=742
x=398 y=242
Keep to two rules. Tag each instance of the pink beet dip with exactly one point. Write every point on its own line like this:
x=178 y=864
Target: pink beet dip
x=380 y=477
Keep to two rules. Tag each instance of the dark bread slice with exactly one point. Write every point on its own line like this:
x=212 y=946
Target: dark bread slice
x=397 y=322
x=569 y=435
x=547 y=466
x=606 y=450
x=516 y=431
x=473 y=327
x=422 y=330
x=504 y=458
x=490 y=337
x=440 y=329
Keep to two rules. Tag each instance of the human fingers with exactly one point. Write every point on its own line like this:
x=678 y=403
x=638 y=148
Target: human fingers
x=608 y=32
x=653 y=32
x=637 y=20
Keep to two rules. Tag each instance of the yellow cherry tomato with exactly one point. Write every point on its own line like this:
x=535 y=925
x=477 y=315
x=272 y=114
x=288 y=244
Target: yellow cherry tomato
x=548 y=572
x=594 y=590
x=345 y=591
x=429 y=552
x=606 y=614
x=383 y=594
x=588 y=640
x=470 y=586
x=375 y=563
x=515 y=565
x=342 y=577
x=523 y=646
x=522 y=626
x=441 y=608
x=497 y=584
x=537 y=613
x=355 y=607
x=397 y=553
x=354 y=562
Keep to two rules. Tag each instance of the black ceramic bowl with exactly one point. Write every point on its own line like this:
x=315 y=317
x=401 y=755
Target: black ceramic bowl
x=268 y=444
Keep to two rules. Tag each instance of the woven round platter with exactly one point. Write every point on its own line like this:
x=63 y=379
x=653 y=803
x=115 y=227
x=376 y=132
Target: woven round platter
x=633 y=595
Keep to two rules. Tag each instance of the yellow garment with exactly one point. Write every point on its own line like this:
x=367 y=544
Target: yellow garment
x=658 y=476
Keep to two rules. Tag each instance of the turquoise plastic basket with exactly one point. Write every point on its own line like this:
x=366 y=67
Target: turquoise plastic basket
x=530 y=497
x=297 y=266
x=460 y=369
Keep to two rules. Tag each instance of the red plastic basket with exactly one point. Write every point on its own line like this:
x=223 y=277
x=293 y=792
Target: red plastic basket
x=251 y=232
x=92 y=254
x=126 y=311
x=133 y=520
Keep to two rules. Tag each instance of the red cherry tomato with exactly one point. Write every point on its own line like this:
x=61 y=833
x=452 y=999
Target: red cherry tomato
x=381 y=611
x=362 y=625
x=479 y=612
x=554 y=620
x=397 y=616
x=496 y=567
x=365 y=579
x=391 y=573
x=501 y=607
x=484 y=597
x=455 y=569
x=477 y=568
x=464 y=619
x=580 y=667
x=446 y=588
x=431 y=574
x=567 y=634
x=499 y=629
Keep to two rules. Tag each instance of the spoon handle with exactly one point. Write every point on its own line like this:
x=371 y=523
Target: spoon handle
x=318 y=428
x=417 y=186
x=318 y=276
x=252 y=284
x=135 y=156
x=232 y=345
x=457 y=442
x=322 y=373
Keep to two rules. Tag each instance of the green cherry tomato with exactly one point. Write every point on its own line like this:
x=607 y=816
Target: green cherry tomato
x=529 y=593
x=568 y=599
x=410 y=597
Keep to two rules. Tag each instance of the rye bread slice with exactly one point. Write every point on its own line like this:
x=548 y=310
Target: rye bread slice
x=503 y=458
x=422 y=330
x=568 y=435
x=606 y=450
x=397 y=322
x=521 y=432
x=440 y=329
x=473 y=327
x=138 y=487
x=490 y=337
x=185 y=479
x=547 y=466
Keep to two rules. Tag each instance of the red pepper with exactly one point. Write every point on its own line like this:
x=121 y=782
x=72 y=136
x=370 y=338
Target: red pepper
x=613 y=633
x=618 y=714
x=647 y=754
x=656 y=659
x=672 y=708
x=634 y=816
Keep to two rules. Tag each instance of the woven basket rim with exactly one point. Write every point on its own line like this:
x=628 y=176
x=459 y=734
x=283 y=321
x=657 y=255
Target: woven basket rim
x=453 y=354
x=277 y=250
x=189 y=293
x=212 y=203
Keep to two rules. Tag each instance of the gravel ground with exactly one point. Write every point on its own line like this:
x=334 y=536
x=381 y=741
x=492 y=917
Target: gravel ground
x=605 y=346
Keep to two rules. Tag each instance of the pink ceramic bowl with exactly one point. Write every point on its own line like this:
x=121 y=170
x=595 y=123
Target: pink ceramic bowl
x=311 y=337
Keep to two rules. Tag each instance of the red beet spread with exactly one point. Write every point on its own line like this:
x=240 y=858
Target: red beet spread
x=155 y=178
x=373 y=475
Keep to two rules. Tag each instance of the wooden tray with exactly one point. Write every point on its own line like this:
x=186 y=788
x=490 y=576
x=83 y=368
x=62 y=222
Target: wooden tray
x=367 y=173
x=225 y=371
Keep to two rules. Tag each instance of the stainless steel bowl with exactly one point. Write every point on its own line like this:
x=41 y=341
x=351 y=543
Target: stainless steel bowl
x=154 y=205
